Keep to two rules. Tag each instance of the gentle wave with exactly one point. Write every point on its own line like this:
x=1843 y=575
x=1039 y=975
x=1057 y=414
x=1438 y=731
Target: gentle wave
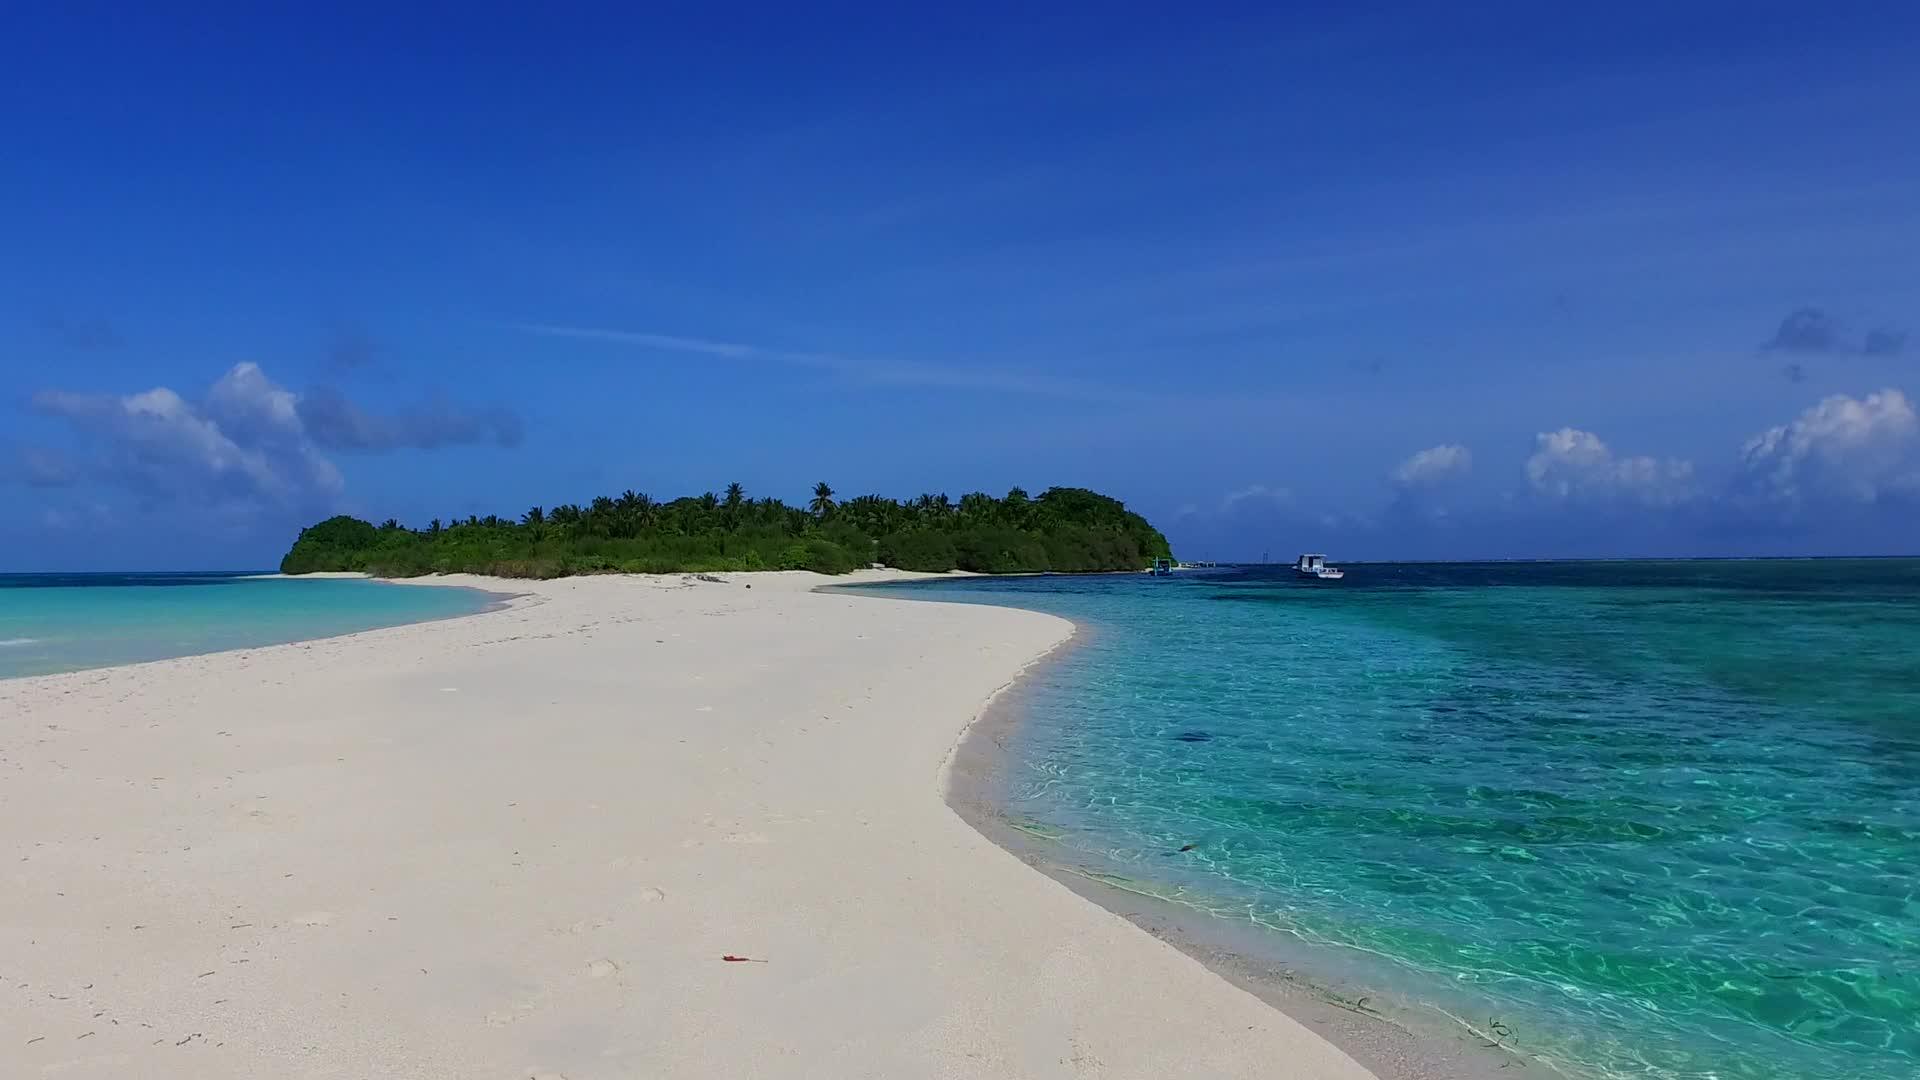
x=5 y=642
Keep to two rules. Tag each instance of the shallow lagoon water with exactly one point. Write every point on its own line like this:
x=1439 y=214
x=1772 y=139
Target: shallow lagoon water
x=1649 y=819
x=66 y=622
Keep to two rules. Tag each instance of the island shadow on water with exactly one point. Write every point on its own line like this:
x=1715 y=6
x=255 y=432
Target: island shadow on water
x=1292 y=976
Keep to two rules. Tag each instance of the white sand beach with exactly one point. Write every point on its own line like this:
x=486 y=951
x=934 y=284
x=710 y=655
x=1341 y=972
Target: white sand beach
x=519 y=844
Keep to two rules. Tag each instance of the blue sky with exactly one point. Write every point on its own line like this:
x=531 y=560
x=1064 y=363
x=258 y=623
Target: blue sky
x=1387 y=282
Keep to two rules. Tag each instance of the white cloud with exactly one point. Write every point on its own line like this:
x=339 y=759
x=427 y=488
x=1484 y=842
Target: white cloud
x=1857 y=449
x=248 y=404
x=158 y=443
x=880 y=373
x=1434 y=465
x=250 y=442
x=1254 y=491
x=1575 y=465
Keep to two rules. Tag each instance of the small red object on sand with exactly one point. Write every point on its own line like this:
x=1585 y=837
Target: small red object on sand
x=732 y=959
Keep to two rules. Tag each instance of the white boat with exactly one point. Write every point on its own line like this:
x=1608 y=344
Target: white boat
x=1315 y=566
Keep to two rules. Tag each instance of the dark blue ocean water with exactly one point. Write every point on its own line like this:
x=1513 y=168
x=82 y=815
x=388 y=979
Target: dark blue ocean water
x=1645 y=819
x=65 y=622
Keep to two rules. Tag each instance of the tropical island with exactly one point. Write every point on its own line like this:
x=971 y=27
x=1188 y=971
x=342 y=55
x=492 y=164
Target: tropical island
x=1063 y=530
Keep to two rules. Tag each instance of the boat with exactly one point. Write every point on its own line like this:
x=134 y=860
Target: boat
x=1315 y=566
x=1161 y=568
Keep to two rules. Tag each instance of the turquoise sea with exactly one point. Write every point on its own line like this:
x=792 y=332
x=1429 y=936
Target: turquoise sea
x=66 y=622
x=1645 y=819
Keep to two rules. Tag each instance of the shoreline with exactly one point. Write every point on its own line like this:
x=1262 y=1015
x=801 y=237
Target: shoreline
x=975 y=786
x=519 y=846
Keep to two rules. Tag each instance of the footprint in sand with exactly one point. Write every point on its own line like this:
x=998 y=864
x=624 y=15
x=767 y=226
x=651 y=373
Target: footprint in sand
x=602 y=968
x=650 y=895
x=518 y=1011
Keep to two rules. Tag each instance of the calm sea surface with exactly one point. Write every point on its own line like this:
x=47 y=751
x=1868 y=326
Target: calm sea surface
x=65 y=622
x=1636 y=819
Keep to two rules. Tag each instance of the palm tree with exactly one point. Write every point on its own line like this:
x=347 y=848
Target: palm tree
x=767 y=511
x=822 y=503
x=629 y=514
x=871 y=514
x=625 y=513
x=433 y=527
x=1018 y=506
x=600 y=516
x=735 y=497
x=535 y=516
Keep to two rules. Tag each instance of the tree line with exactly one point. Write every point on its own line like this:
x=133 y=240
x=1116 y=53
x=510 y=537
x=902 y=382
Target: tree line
x=1062 y=530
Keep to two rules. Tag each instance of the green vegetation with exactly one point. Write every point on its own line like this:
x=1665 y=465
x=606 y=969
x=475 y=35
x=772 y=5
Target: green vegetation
x=1064 y=530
